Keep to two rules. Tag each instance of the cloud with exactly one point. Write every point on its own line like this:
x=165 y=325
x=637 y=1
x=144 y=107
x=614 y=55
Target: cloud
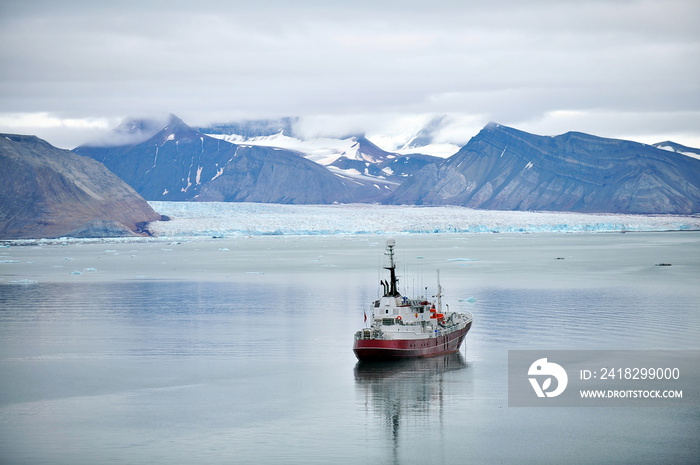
x=129 y=132
x=62 y=132
x=645 y=127
x=507 y=61
x=46 y=120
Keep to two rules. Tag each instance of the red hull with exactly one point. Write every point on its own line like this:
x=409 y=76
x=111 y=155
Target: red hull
x=379 y=349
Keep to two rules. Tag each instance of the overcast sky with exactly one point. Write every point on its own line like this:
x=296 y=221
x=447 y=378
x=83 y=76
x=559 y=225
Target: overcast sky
x=614 y=68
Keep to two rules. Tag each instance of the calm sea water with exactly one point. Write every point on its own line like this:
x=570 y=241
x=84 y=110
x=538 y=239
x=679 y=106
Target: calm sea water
x=239 y=350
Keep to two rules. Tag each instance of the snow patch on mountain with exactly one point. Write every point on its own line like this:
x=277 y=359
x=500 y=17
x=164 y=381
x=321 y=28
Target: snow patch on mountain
x=424 y=134
x=680 y=149
x=323 y=151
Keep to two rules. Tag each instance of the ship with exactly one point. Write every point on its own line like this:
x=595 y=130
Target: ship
x=404 y=328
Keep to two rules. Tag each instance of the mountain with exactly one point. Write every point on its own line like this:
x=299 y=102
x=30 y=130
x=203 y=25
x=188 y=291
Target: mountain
x=425 y=136
x=502 y=168
x=355 y=159
x=364 y=157
x=182 y=164
x=49 y=192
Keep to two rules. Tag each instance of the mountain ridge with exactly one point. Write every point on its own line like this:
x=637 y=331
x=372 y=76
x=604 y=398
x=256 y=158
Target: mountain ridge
x=179 y=163
x=50 y=192
x=499 y=168
x=503 y=168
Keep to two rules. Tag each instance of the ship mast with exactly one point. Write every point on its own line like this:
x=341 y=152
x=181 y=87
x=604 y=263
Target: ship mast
x=392 y=290
x=439 y=293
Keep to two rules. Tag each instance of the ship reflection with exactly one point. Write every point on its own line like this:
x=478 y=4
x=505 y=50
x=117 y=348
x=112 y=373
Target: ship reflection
x=399 y=392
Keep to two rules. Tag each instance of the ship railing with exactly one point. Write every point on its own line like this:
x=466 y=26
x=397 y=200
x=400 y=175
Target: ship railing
x=368 y=333
x=443 y=331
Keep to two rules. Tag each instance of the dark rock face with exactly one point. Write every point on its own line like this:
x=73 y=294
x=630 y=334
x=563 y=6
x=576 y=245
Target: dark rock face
x=263 y=174
x=505 y=169
x=179 y=163
x=49 y=192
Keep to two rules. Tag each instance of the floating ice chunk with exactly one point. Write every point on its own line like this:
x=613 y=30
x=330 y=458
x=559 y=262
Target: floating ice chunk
x=75 y=273
x=89 y=269
x=461 y=260
x=223 y=249
x=9 y=261
x=470 y=300
x=254 y=272
x=23 y=282
x=68 y=258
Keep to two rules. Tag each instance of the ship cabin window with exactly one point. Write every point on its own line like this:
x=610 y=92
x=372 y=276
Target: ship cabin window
x=388 y=321
x=376 y=304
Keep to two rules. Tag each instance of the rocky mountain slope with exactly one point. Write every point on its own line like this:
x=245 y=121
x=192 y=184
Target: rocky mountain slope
x=49 y=192
x=500 y=168
x=181 y=163
x=351 y=157
x=505 y=169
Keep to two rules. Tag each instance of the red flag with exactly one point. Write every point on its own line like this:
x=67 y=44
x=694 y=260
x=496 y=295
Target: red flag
x=365 y=317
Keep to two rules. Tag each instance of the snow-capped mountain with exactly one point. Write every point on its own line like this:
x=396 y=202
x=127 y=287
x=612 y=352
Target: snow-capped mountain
x=181 y=163
x=501 y=168
x=409 y=136
x=366 y=158
x=352 y=157
x=49 y=192
x=505 y=169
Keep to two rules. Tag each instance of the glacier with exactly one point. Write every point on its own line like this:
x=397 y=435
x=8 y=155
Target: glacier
x=217 y=219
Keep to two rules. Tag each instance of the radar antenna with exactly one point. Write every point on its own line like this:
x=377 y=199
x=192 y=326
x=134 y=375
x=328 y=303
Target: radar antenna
x=393 y=282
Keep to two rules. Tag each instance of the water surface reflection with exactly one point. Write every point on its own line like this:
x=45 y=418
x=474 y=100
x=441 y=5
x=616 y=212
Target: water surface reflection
x=407 y=391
